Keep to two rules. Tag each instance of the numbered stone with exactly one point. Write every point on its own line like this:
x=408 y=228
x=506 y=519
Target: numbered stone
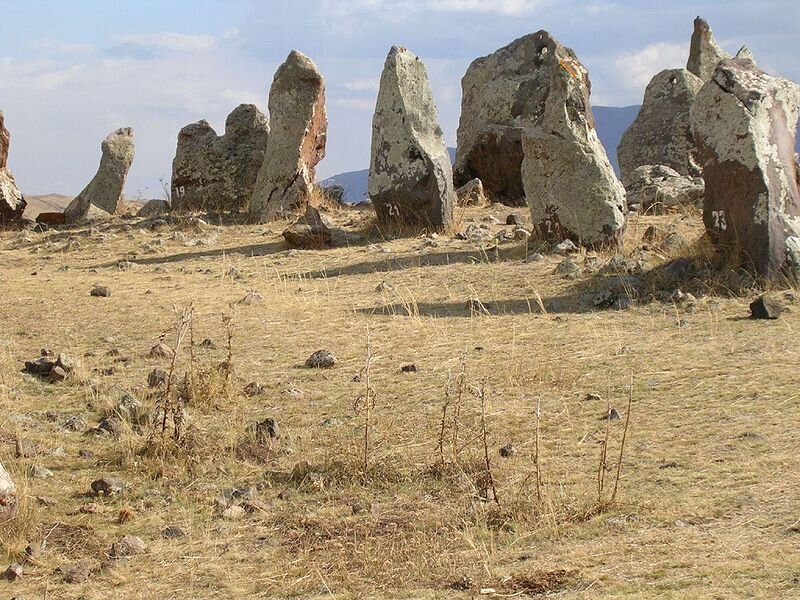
x=410 y=176
x=744 y=122
x=569 y=183
x=298 y=135
x=218 y=173
x=105 y=189
x=12 y=203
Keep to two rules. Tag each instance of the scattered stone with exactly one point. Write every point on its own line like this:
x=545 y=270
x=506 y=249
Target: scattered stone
x=568 y=269
x=57 y=374
x=566 y=247
x=161 y=350
x=661 y=186
x=297 y=139
x=476 y=307
x=105 y=189
x=310 y=232
x=361 y=508
x=12 y=204
x=321 y=359
x=172 y=532
x=153 y=209
x=100 y=291
x=654 y=234
x=662 y=131
x=13 y=572
x=92 y=508
x=251 y=298
x=157 y=378
x=508 y=451
x=266 y=430
x=284 y=495
x=233 y=513
x=472 y=194
x=46 y=501
x=218 y=173
x=765 y=307
x=475 y=232
x=253 y=389
x=26 y=448
x=75 y=423
x=129 y=545
x=569 y=183
x=744 y=122
x=108 y=486
x=39 y=472
x=8 y=495
x=679 y=269
x=410 y=176
x=611 y=415
x=78 y=572
x=704 y=52
x=515 y=219
x=411 y=368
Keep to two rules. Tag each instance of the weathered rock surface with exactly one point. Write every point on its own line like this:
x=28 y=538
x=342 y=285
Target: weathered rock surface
x=310 y=232
x=105 y=189
x=153 y=208
x=297 y=139
x=662 y=132
x=472 y=194
x=502 y=94
x=218 y=173
x=12 y=204
x=704 y=52
x=569 y=183
x=744 y=122
x=410 y=176
x=650 y=185
x=8 y=495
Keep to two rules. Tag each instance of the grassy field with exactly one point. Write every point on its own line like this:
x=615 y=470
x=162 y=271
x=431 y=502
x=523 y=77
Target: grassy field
x=708 y=492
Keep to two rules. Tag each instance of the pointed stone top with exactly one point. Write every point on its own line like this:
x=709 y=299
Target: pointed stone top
x=745 y=53
x=5 y=139
x=298 y=60
x=704 y=52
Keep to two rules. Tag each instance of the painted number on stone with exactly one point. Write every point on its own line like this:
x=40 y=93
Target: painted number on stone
x=549 y=225
x=180 y=192
x=394 y=210
x=719 y=219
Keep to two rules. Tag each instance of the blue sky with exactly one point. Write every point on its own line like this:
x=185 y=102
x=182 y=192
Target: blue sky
x=71 y=72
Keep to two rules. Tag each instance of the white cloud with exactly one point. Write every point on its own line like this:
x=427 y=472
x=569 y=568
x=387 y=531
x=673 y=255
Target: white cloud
x=367 y=104
x=636 y=69
x=362 y=85
x=166 y=41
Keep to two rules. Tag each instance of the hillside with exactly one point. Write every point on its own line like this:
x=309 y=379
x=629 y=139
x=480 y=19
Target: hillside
x=371 y=480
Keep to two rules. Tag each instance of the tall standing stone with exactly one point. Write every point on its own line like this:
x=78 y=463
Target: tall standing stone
x=744 y=123
x=502 y=94
x=704 y=52
x=569 y=183
x=410 y=176
x=12 y=204
x=218 y=173
x=296 y=144
x=8 y=495
x=105 y=189
x=662 y=132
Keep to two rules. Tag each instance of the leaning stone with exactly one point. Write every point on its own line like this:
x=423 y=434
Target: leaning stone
x=662 y=131
x=297 y=139
x=12 y=204
x=744 y=123
x=704 y=52
x=410 y=176
x=105 y=189
x=129 y=545
x=570 y=185
x=218 y=173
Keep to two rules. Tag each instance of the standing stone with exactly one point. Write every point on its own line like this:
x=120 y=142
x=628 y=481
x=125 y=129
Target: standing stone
x=410 y=176
x=704 y=53
x=502 y=94
x=105 y=189
x=662 y=132
x=297 y=139
x=570 y=185
x=8 y=495
x=218 y=173
x=744 y=122
x=12 y=204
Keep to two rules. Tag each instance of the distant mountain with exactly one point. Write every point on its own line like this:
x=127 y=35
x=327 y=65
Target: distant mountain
x=611 y=123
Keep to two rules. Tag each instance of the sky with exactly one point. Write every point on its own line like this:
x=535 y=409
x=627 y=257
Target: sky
x=72 y=72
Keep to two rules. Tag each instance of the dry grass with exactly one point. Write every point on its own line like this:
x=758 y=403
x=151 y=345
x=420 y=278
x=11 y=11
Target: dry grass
x=708 y=491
